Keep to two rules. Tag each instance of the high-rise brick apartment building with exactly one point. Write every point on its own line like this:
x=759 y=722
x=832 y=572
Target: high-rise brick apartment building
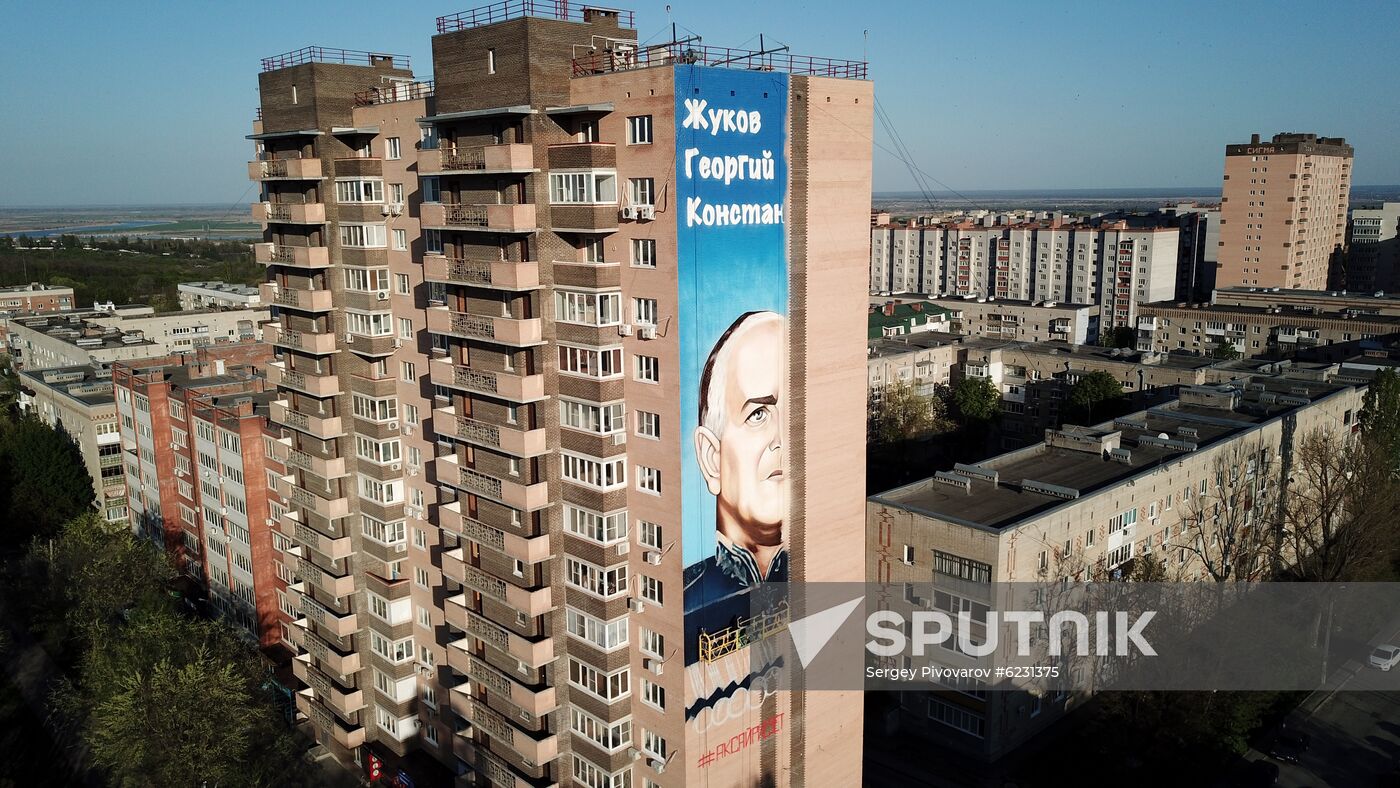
x=1283 y=212
x=532 y=314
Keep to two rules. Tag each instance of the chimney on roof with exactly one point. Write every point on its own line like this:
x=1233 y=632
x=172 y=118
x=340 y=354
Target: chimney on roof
x=1254 y=139
x=889 y=309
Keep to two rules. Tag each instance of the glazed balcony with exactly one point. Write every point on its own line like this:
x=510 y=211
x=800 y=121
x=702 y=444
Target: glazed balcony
x=503 y=385
x=296 y=298
x=318 y=426
x=477 y=160
x=521 y=443
x=330 y=658
x=324 y=467
x=289 y=213
x=306 y=341
x=288 y=169
x=350 y=737
x=329 y=546
x=526 y=497
x=292 y=256
x=523 y=332
x=494 y=274
x=319 y=386
x=518 y=218
x=534 y=653
x=530 y=549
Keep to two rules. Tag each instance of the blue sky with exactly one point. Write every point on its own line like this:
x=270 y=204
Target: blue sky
x=147 y=102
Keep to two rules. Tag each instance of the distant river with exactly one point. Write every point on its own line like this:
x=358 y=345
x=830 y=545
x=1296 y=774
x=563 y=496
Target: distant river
x=86 y=229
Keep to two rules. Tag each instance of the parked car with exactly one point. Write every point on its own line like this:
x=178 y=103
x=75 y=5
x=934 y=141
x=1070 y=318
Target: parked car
x=1289 y=746
x=1385 y=657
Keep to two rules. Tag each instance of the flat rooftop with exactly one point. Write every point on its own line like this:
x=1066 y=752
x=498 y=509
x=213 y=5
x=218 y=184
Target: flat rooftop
x=910 y=343
x=1039 y=478
x=89 y=384
x=955 y=302
x=1283 y=313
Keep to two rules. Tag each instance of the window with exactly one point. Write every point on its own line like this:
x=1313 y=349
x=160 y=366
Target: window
x=1122 y=520
x=602 y=583
x=431 y=189
x=491 y=61
x=392 y=148
x=377 y=452
x=585 y=416
x=648 y=424
x=609 y=474
x=585 y=773
x=965 y=568
x=177 y=411
x=606 y=635
x=649 y=480
x=648 y=369
x=592 y=187
x=644 y=252
x=607 y=686
x=642 y=191
x=362 y=236
x=588 y=308
x=369 y=324
x=650 y=535
x=405 y=328
x=401 y=242
x=409 y=371
x=372 y=409
x=654 y=745
x=655 y=694
x=401 y=283
x=384 y=533
x=380 y=491
x=639 y=130
x=610 y=736
x=644 y=311
x=396 y=193
x=593 y=250
x=908 y=554
x=653 y=643
x=410 y=414
x=369 y=190
x=420 y=576
x=652 y=590
x=366 y=280
x=395 y=612
x=395 y=651
x=591 y=363
x=956 y=717
x=601 y=528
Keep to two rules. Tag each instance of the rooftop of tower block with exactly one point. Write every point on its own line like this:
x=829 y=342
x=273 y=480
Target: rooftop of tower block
x=344 y=57
x=561 y=10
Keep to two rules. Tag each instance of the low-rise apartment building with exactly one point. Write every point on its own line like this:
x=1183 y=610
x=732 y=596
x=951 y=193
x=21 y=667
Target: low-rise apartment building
x=898 y=317
x=1083 y=503
x=105 y=337
x=924 y=360
x=1373 y=249
x=79 y=399
x=218 y=295
x=1023 y=321
x=35 y=298
x=1254 y=331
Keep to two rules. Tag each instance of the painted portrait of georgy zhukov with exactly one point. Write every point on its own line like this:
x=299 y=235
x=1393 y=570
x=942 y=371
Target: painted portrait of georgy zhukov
x=739 y=448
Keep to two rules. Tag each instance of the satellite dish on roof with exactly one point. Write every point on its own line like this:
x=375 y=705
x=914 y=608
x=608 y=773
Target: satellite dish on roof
x=1163 y=435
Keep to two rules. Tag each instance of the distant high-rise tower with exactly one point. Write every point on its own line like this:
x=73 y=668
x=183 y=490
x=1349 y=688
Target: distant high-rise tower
x=1284 y=211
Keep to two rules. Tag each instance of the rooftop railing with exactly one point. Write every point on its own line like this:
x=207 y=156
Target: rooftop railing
x=727 y=57
x=562 y=10
x=398 y=91
x=348 y=57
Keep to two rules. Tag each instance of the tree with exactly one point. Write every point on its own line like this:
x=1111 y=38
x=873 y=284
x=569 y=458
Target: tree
x=1229 y=521
x=1340 y=512
x=1225 y=351
x=1093 y=389
x=9 y=388
x=977 y=399
x=1380 y=416
x=1122 y=336
x=899 y=413
x=47 y=481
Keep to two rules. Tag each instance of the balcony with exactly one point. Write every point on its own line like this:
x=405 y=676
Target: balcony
x=334 y=585
x=538 y=700
x=533 y=602
x=324 y=467
x=289 y=213
x=534 y=653
x=329 y=508
x=526 y=497
x=336 y=662
x=311 y=424
x=346 y=736
x=296 y=298
x=319 y=386
x=494 y=274
x=292 y=256
x=500 y=330
x=521 y=443
x=295 y=633
x=285 y=169
x=305 y=341
x=530 y=549
x=329 y=546
x=481 y=218
x=504 y=385
x=535 y=748
x=477 y=160
x=345 y=702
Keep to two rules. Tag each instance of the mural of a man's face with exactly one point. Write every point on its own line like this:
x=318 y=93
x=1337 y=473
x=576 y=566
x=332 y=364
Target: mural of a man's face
x=740 y=445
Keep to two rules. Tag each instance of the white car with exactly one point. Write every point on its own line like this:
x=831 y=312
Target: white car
x=1385 y=657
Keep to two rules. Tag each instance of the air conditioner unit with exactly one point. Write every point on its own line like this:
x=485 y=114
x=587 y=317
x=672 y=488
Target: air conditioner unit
x=349 y=338
x=646 y=212
x=382 y=295
x=654 y=665
x=408 y=429
x=401 y=548
x=636 y=605
x=647 y=332
x=659 y=766
x=396 y=467
x=393 y=425
x=413 y=471
x=624 y=330
x=652 y=557
x=385 y=210
x=634 y=753
x=629 y=212
x=619 y=439
x=623 y=548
